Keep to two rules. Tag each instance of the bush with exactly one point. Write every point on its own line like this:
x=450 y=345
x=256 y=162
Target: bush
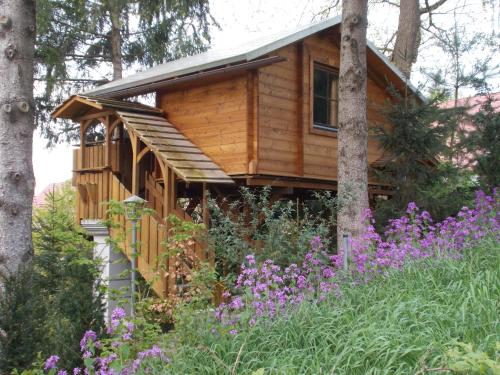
x=279 y=230
x=419 y=169
x=48 y=306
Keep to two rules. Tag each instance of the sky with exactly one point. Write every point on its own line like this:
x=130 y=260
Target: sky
x=242 y=20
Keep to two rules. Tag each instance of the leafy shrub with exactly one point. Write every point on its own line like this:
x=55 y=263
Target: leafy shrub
x=269 y=289
x=131 y=348
x=279 y=230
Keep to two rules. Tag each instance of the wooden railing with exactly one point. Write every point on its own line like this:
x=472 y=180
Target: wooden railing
x=97 y=184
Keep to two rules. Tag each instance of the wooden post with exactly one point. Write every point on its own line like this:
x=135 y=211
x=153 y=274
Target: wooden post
x=206 y=221
x=82 y=144
x=107 y=151
x=169 y=199
x=300 y=109
x=135 y=175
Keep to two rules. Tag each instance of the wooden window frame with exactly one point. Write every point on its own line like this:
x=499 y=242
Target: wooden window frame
x=313 y=128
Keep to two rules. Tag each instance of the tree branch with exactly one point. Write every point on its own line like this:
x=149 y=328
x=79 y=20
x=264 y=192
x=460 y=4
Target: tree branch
x=429 y=8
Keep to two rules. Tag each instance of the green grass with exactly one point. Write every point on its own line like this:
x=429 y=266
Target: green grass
x=394 y=325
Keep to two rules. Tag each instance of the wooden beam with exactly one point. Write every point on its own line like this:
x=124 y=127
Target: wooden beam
x=135 y=175
x=114 y=124
x=255 y=124
x=59 y=111
x=300 y=109
x=210 y=255
x=142 y=153
x=107 y=142
x=92 y=116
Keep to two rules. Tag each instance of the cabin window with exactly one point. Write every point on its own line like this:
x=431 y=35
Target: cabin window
x=326 y=98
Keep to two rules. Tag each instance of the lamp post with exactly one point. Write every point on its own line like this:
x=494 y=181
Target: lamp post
x=133 y=206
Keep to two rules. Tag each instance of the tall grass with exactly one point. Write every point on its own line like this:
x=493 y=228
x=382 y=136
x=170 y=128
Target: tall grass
x=399 y=324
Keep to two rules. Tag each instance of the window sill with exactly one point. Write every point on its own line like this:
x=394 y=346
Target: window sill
x=323 y=130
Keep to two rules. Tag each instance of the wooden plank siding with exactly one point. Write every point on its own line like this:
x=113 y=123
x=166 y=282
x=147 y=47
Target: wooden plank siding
x=214 y=117
x=287 y=144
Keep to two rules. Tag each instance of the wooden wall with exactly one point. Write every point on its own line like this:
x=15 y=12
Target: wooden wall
x=214 y=117
x=261 y=122
x=287 y=143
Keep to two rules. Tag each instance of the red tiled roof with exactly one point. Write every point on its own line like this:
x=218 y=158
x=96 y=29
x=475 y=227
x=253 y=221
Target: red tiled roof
x=39 y=199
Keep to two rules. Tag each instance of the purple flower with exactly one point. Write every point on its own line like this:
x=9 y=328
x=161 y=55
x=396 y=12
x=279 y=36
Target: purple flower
x=89 y=337
x=233 y=332
x=51 y=362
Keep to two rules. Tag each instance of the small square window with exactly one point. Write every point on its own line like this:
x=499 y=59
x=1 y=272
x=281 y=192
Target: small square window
x=325 y=98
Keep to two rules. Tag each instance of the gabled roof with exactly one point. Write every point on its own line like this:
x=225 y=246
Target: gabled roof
x=222 y=56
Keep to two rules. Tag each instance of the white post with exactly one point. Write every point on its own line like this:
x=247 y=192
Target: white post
x=115 y=267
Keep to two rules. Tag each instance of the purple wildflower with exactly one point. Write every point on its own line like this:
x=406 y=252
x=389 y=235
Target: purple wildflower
x=51 y=362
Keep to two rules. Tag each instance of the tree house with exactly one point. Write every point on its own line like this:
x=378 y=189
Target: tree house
x=263 y=113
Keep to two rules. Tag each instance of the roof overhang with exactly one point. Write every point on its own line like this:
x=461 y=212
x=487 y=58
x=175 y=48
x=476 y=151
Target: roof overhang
x=224 y=61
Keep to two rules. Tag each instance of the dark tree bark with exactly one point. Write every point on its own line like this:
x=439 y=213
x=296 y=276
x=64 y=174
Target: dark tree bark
x=116 y=41
x=408 y=34
x=17 y=41
x=407 y=37
x=353 y=128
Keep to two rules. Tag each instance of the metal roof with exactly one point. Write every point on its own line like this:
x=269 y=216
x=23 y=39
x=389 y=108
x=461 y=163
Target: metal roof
x=221 y=56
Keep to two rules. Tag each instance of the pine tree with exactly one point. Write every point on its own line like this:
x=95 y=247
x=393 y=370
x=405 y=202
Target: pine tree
x=483 y=143
x=79 y=39
x=418 y=170
x=48 y=306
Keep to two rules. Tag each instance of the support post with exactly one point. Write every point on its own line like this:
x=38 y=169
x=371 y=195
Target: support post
x=114 y=267
x=135 y=175
x=133 y=268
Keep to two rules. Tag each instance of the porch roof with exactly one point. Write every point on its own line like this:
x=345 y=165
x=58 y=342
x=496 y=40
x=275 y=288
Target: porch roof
x=149 y=124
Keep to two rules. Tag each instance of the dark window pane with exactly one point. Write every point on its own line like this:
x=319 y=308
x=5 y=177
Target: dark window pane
x=325 y=97
x=320 y=82
x=320 y=115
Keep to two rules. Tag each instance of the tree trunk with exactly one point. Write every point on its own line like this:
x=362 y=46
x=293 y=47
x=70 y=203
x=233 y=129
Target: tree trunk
x=17 y=47
x=116 y=41
x=407 y=37
x=353 y=128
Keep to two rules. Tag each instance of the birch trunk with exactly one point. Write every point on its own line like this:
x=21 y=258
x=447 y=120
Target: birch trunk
x=407 y=37
x=353 y=128
x=17 y=37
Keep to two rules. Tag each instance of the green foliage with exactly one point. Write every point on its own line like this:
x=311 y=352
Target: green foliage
x=405 y=323
x=74 y=42
x=48 y=306
x=470 y=60
x=280 y=230
x=483 y=142
x=417 y=144
x=463 y=359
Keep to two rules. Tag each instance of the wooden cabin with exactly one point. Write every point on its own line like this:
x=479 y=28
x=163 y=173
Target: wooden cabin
x=263 y=113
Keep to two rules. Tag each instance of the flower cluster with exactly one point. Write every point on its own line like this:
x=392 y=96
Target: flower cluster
x=266 y=290
x=269 y=289
x=114 y=356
